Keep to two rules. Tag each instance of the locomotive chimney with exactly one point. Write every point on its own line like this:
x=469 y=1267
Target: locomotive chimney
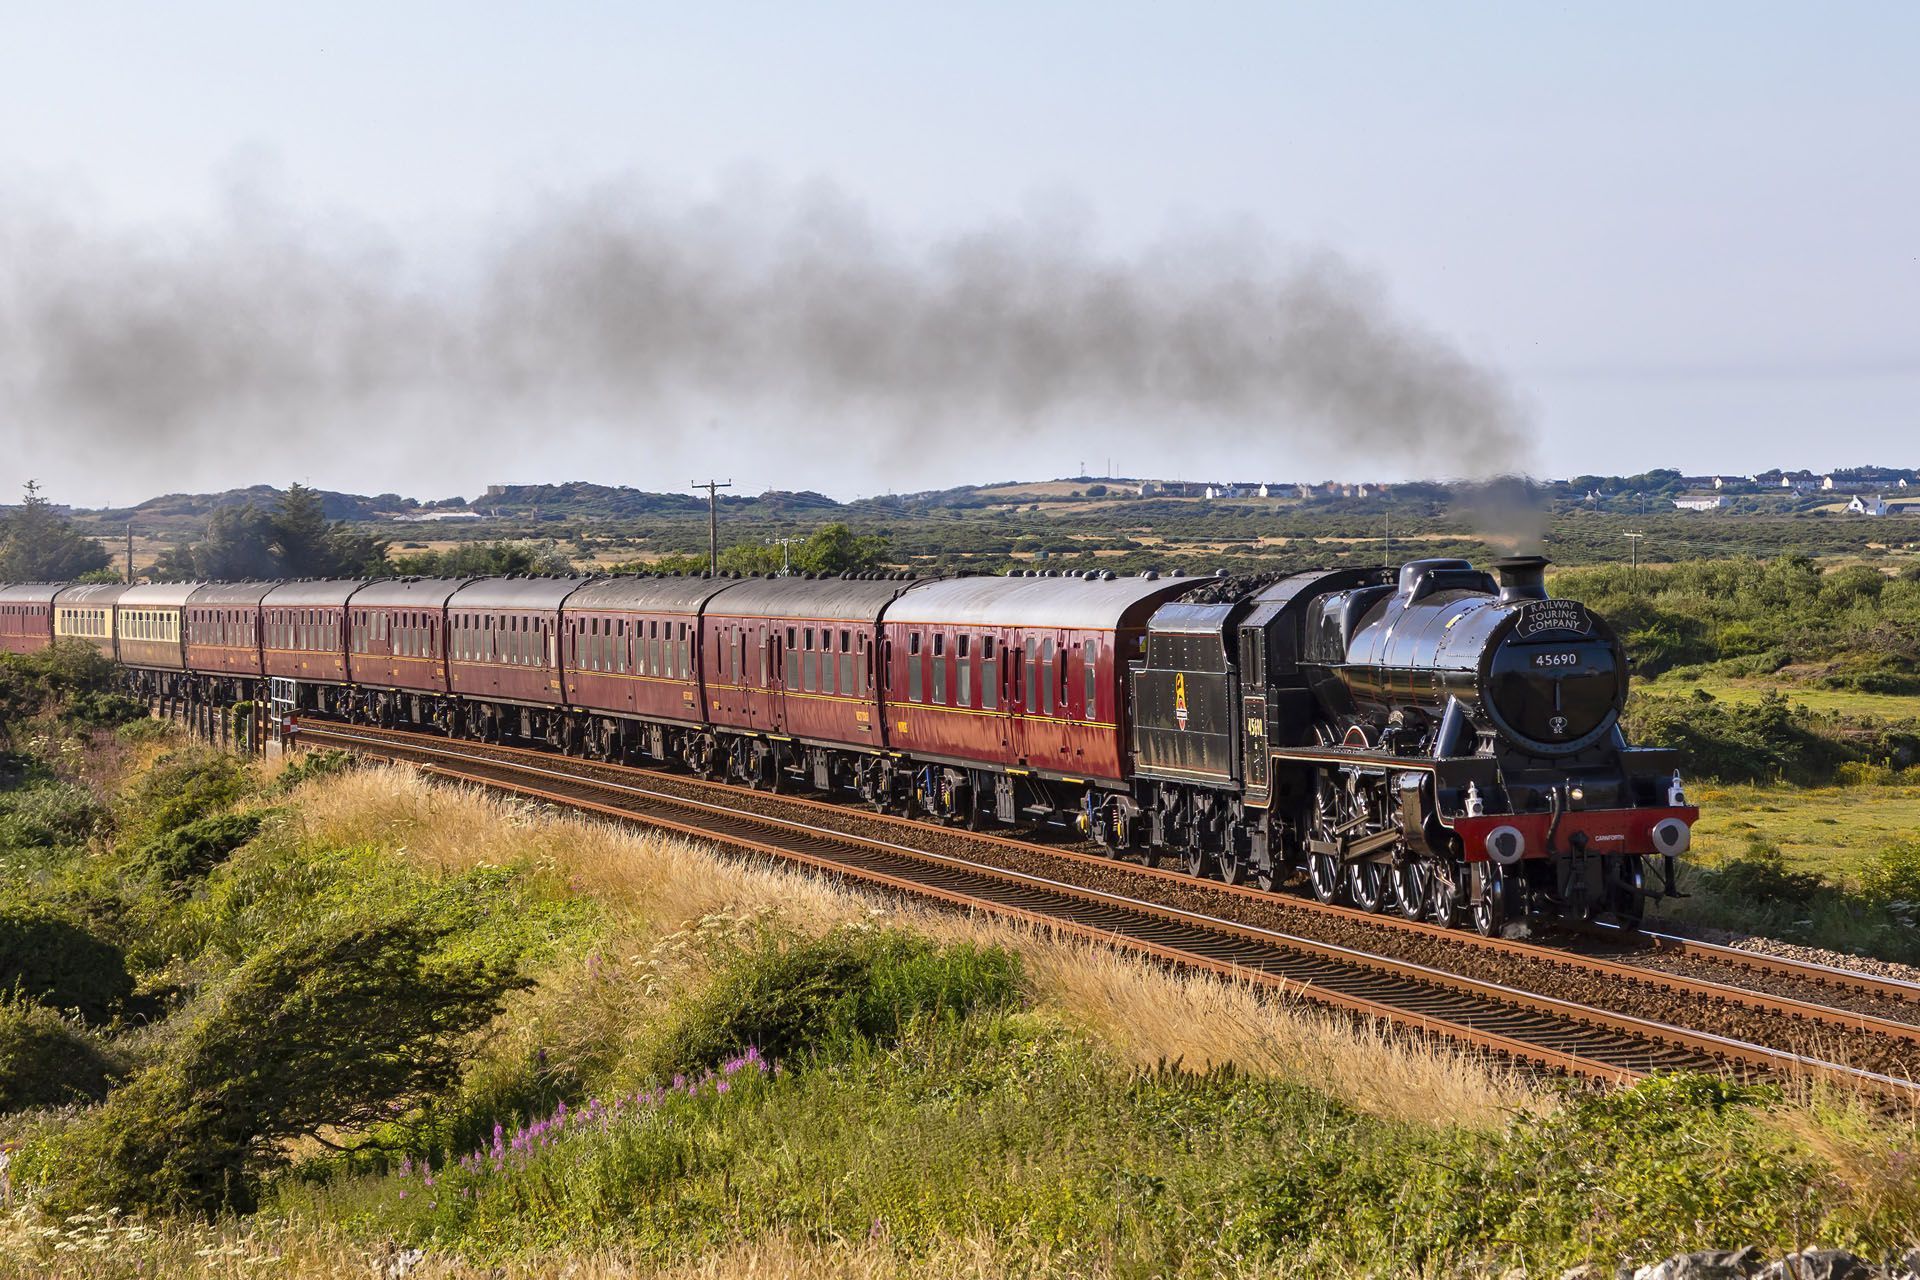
x=1522 y=577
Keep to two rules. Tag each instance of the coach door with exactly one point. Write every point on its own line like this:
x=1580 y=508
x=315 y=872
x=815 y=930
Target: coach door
x=1253 y=714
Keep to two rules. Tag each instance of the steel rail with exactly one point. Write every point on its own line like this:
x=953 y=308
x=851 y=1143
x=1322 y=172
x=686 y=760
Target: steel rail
x=1567 y=961
x=1557 y=1033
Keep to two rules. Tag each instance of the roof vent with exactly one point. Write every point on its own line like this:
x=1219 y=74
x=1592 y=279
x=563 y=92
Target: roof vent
x=1106 y=575
x=1151 y=575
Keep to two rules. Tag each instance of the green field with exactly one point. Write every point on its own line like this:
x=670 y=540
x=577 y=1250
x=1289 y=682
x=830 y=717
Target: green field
x=1837 y=702
x=1832 y=830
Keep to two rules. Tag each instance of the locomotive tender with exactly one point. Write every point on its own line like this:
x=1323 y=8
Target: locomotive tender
x=1431 y=741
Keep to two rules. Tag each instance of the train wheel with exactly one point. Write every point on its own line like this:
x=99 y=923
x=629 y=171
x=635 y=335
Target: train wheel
x=1412 y=885
x=1231 y=867
x=1196 y=861
x=1323 y=871
x=1443 y=897
x=1368 y=883
x=1489 y=912
x=1627 y=908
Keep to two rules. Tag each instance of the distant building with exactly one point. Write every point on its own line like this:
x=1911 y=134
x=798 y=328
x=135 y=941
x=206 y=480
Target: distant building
x=1874 y=506
x=1699 y=502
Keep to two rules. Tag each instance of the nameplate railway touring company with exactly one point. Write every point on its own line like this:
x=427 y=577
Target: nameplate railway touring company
x=1545 y=616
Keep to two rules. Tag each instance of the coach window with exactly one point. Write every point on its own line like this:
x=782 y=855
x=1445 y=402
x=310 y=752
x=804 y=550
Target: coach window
x=1066 y=689
x=938 y=693
x=846 y=663
x=913 y=668
x=1043 y=675
x=809 y=663
x=963 y=668
x=1092 y=664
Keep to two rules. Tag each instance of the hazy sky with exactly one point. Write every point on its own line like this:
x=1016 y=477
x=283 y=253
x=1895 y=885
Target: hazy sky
x=1623 y=235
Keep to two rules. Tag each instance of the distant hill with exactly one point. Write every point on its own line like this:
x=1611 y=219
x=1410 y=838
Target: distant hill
x=175 y=514
x=581 y=500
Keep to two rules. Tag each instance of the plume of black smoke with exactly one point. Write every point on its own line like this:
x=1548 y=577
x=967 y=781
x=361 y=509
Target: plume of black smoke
x=618 y=311
x=1509 y=513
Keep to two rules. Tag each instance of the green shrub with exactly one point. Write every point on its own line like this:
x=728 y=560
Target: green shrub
x=794 y=998
x=180 y=788
x=55 y=962
x=50 y=815
x=1759 y=876
x=1740 y=742
x=315 y=764
x=1892 y=878
x=186 y=854
x=1669 y=1164
x=46 y=1060
x=335 y=1028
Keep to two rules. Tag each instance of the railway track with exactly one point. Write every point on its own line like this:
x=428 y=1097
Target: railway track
x=1560 y=1034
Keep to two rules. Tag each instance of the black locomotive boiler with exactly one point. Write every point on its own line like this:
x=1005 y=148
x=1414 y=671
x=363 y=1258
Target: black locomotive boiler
x=1431 y=741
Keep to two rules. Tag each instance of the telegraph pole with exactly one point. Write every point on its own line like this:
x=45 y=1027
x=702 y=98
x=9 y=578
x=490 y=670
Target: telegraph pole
x=129 y=553
x=713 y=488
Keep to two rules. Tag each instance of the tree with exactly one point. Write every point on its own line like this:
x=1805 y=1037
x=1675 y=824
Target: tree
x=294 y=540
x=300 y=534
x=837 y=549
x=239 y=544
x=37 y=544
x=833 y=549
x=340 y=1026
x=484 y=559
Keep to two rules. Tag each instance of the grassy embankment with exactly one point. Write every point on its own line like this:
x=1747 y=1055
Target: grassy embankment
x=603 y=1048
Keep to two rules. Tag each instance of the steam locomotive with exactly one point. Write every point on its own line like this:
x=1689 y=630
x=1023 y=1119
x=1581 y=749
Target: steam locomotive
x=1430 y=741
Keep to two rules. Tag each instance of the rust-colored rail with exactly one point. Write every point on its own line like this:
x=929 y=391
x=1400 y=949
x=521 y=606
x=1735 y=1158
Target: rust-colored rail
x=1540 y=1029
x=1753 y=966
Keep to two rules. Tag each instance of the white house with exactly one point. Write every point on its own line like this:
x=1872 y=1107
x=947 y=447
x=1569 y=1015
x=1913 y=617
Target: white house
x=1874 y=506
x=1697 y=502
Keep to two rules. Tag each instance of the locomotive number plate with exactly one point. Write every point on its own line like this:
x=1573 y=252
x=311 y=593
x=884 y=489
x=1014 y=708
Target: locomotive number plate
x=1558 y=659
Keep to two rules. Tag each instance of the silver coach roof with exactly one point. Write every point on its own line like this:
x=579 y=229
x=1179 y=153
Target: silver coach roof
x=1096 y=605
x=158 y=595
x=30 y=592
x=646 y=594
x=514 y=593
x=830 y=599
x=408 y=593
x=313 y=593
x=94 y=594
x=229 y=593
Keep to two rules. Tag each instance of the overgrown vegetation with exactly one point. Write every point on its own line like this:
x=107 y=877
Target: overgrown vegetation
x=1757 y=890
x=680 y=1059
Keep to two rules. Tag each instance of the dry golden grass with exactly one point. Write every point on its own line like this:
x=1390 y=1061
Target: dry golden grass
x=664 y=890
x=106 y=1247
x=1150 y=1015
